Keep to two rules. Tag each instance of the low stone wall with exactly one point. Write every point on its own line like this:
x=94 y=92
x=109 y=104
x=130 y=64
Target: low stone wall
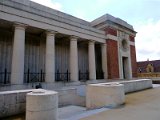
x=70 y=97
x=14 y=102
x=100 y=95
x=134 y=85
x=112 y=94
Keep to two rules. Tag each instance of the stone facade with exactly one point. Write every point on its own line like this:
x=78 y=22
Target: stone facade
x=40 y=44
x=121 y=52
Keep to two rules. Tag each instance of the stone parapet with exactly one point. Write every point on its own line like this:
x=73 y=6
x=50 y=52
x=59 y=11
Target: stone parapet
x=113 y=94
x=134 y=85
x=100 y=95
x=13 y=102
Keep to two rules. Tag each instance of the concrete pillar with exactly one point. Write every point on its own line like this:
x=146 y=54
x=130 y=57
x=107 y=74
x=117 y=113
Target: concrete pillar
x=92 y=63
x=73 y=59
x=42 y=105
x=17 y=70
x=50 y=57
x=104 y=60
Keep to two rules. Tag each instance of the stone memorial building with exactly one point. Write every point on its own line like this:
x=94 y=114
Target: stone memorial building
x=40 y=44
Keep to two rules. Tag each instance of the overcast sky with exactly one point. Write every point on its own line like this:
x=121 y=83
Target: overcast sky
x=144 y=15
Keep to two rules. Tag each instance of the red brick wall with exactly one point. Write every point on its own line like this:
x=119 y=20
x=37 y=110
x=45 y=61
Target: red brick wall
x=111 y=31
x=112 y=59
x=133 y=61
x=131 y=38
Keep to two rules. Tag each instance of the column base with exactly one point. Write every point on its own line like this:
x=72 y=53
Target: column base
x=91 y=81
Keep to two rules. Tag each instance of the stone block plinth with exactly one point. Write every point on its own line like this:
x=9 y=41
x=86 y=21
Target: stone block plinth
x=100 y=95
x=42 y=105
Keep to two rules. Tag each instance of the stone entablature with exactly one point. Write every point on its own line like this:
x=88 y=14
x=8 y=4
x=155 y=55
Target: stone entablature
x=39 y=16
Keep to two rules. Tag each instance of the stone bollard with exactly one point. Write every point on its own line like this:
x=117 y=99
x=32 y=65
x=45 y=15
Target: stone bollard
x=42 y=105
x=101 y=95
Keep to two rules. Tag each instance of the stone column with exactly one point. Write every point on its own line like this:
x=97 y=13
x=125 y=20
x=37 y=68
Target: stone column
x=17 y=71
x=104 y=60
x=50 y=57
x=92 y=63
x=73 y=59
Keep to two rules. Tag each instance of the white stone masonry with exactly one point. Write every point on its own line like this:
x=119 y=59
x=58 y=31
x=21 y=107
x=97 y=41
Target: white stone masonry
x=73 y=59
x=17 y=70
x=50 y=57
x=91 y=57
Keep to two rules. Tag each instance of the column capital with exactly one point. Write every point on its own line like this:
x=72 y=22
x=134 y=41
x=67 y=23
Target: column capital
x=51 y=32
x=103 y=44
x=91 y=42
x=72 y=37
x=20 y=25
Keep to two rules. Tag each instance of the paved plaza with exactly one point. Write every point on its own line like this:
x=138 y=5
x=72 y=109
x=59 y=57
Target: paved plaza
x=143 y=105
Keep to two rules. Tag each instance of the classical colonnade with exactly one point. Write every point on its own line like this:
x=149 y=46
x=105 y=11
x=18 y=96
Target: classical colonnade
x=17 y=71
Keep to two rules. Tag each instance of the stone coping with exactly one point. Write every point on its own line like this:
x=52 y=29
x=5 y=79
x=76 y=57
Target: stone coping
x=133 y=85
x=108 y=17
x=128 y=81
x=15 y=91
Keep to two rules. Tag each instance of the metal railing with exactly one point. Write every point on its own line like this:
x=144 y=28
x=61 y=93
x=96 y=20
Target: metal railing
x=5 y=77
x=65 y=77
x=99 y=74
x=31 y=77
x=83 y=76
